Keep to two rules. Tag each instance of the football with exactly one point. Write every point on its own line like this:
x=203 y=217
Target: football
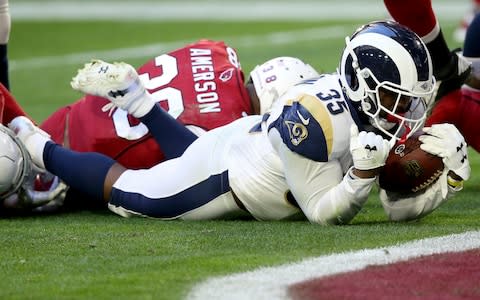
x=408 y=169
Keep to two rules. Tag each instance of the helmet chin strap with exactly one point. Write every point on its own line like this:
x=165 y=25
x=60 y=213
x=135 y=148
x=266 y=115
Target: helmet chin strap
x=385 y=125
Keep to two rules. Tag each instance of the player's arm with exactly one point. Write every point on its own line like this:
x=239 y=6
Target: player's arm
x=324 y=194
x=316 y=180
x=443 y=140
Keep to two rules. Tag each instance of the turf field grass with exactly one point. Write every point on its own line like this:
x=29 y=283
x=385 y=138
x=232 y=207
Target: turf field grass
x=98 y=255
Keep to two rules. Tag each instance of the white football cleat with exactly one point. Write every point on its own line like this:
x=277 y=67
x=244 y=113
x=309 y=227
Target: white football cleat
x=117 y=82
x=32 y=137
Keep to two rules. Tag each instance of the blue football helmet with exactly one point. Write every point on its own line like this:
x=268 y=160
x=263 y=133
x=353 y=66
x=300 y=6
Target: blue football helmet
x=389 y=57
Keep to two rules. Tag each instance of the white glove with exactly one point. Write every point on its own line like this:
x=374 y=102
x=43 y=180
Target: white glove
x=369 y=150
x=446 y=141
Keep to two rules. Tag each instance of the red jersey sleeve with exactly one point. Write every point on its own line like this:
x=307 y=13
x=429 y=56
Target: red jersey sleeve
x=201 y=84
x=462 y=109
x=9 y=107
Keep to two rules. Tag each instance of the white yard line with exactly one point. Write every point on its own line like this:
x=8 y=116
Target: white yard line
x=205 y=10
x=272 y=283
x=216 y=10
x=277 y=38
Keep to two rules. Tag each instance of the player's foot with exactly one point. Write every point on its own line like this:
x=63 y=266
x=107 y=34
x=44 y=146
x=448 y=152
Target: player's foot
x=453 y=75
x=32 y=137
x=118 y=82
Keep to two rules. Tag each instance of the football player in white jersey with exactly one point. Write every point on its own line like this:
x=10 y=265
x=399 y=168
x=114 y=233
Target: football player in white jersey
x=305 y=156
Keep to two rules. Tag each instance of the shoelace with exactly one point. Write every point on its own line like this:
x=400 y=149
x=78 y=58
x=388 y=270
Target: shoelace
x=109 y=107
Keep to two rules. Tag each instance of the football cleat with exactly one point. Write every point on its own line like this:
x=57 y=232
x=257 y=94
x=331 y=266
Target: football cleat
x=117 y=82
x=32 y=137
x=453 y=75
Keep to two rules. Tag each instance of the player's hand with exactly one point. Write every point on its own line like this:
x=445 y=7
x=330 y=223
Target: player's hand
x=369 y=150
x=446 y=141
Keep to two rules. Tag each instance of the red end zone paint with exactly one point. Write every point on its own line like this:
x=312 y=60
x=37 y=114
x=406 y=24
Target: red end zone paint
x=440 y=276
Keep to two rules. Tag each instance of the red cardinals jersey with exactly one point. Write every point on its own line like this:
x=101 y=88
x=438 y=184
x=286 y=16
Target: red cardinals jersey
x=9 y=107
x=462 y=109
x=201 y=84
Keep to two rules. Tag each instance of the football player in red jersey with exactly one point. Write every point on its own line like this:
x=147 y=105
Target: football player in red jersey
x=461 y=107
x=454 y=103
x=202 y=85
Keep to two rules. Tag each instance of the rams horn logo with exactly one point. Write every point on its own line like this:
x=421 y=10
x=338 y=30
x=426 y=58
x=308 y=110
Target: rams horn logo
x=298 y=132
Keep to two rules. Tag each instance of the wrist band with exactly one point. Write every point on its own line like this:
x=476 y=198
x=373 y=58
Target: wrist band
x=456 y=184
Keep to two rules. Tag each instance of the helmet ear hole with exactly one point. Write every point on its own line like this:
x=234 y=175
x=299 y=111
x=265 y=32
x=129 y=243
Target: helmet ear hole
x=349 y=77
x=351 y=74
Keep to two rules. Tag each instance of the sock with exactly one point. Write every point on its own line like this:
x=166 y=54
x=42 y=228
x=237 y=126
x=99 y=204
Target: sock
x=4 y=66
x=442 y=59
x=172 y=136
x=84 y=171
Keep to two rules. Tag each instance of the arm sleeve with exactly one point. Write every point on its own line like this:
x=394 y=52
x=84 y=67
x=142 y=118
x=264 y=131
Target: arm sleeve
x=401 y=208
x=312 y=143
x=324 y=195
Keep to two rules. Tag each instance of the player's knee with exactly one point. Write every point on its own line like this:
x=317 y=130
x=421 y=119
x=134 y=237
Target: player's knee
x=115 y=171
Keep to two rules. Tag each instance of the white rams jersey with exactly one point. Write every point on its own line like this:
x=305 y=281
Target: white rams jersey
x=300 y=149
x=294 y=160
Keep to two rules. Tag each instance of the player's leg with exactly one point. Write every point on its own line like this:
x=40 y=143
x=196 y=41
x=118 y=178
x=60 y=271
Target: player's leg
x=460 y=32
x=190 y=187
x=471 y=46
x=5 y=24
x=194 y=186
x=185 y=187
x=470 y=105
x=462 y=107
x=419 y=16
x=119 y=82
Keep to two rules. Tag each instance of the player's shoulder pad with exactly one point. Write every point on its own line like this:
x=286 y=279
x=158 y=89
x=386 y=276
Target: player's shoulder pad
x=305 y=126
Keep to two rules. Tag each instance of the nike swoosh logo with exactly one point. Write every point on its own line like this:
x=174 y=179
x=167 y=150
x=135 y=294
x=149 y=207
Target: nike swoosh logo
x=304 y=121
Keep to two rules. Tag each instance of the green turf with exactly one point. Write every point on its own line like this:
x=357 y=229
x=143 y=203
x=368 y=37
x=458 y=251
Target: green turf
x=93 y=255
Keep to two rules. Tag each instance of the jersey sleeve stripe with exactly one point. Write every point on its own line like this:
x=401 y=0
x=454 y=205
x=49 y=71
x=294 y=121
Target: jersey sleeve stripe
x=322 y=116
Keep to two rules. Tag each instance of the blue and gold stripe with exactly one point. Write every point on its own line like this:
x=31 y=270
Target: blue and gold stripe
x=306 y=128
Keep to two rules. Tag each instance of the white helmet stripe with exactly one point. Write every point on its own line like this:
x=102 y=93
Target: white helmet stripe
x=397 y=53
